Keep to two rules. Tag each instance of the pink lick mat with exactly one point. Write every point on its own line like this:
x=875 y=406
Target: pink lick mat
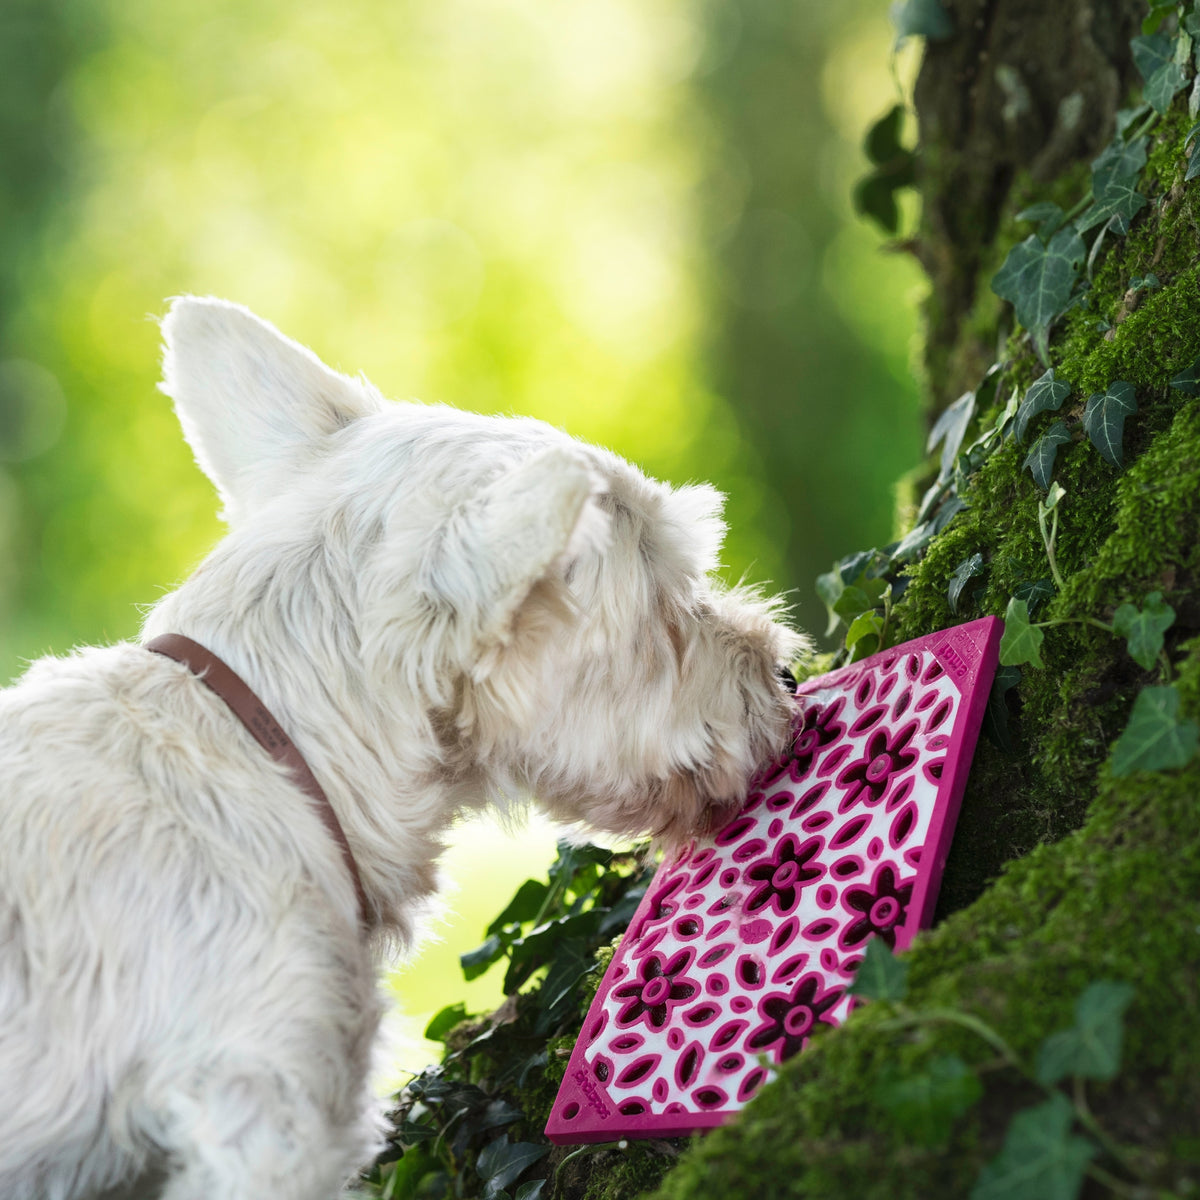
x=745 y=940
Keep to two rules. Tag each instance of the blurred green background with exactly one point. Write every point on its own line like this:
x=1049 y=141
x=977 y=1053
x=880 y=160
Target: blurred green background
x=630 y=218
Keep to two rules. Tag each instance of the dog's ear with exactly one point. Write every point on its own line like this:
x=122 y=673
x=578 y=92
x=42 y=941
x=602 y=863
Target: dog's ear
x=250 y=400
x=531 y=518
x=491 y=578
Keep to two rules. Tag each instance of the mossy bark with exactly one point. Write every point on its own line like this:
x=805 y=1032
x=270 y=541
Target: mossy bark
x=1023 y=91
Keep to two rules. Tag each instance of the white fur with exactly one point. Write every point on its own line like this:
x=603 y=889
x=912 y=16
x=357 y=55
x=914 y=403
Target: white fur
x=442 y=610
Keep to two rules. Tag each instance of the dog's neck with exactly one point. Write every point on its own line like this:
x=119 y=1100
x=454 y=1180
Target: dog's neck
x=386 y=776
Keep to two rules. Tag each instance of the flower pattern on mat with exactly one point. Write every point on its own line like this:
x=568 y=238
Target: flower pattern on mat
x=781 y=877
x=880 y=908
x=821 y=728
x=887 y=757
x=790 y=1018
x=660 y=986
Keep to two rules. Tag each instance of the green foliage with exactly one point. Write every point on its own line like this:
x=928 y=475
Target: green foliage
x=456 y=1125
x=1154 y=55
x=502 y=1162
x=1039 y=277
x=1188 y=380
x=1039 y=462
x=966 y=570
x=1091 y=1048
x=1021 y=641
x=893 y=168
x=1143 y=630
x=925 y=1105
x=1041 y=1159
x=1104 y=420
x=1045 y=394
x=1114 y=184
x=881 y=975
x=1047 y=214
x=1156 y=738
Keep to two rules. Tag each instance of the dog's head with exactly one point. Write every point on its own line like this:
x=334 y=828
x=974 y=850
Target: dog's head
x=529 y=605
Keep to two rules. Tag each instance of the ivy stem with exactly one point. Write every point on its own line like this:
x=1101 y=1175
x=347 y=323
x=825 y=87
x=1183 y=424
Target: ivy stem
x=1147 y=125
x=1078 y=207
x=1127 y=1190
x=1048 y=539
x=1084 y=1115
x=1096 y=624
x=1168 y=670
x=951 y=1016
x=887 y=617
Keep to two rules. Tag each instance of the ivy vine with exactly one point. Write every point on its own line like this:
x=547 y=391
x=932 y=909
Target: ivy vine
x=1043 y=277
x=1050 y=1147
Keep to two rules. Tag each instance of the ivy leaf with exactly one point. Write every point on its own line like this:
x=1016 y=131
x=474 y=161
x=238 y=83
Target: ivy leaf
x=863 y=636
x=572 y=962
x=950 y=428
x=859 y=599
x=498 y=1112
x=921 y=18
x=1021 y=642
x=880 y=975
x=475 y=962
x=1046 y=394
x=544 y=943
x=1091 y=1048
x=966 y=570
x=1159 y=10
x=894 y=167
x=1193 y=168
x=995 y=716
x=1155 y=738
x=1188 y=380
x=530 y=1191
x=524 y=906
x=1041 y=456
x=1154 y=56
x=1048 y=215
x=573 y=859
x=1114 y=184
x=1038 y=278
x=883 y=138
x=1104 y=419
x=1034 y=591
x=1144 y=630
x=1040 y=1159
x=1163 y=85
x=924 y=1106
x=501 y=1162
x=445 y=1020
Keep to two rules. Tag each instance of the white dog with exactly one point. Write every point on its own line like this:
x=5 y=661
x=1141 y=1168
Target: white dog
x=440 y=609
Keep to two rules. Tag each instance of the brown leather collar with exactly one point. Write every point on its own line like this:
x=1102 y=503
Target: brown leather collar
x=265 y=730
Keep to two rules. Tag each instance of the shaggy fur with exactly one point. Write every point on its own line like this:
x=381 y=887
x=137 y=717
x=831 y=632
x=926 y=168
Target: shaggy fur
x=442 y=610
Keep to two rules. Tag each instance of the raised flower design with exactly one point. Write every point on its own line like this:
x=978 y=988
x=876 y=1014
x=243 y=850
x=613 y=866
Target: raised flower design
x=781 y=877
x=880 y=908
x=789 y=1018
x=888 y=756
x=816 y=728
x=660 y=985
